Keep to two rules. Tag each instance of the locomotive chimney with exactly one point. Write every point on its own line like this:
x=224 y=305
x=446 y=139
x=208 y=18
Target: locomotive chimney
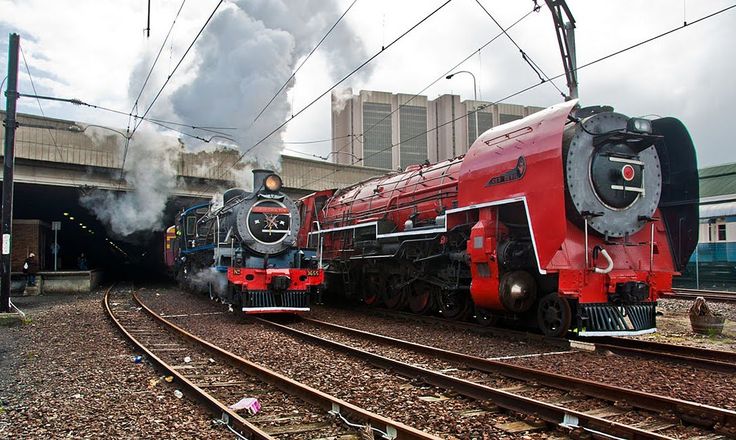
x=258 y=177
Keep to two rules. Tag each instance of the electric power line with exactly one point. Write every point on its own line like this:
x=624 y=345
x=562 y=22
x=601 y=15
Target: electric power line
x=150 y=106
x=153 y=65
x=383 y=49
x=525 y=56
x=302 y=63
x=486 y=44
x=526 y=89
x=33 y=85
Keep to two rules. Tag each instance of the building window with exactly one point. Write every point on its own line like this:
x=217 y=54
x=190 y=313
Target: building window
x=377 y=135
x=485 y=120
x=722 y=232
x=508 y=118
x=412 y=134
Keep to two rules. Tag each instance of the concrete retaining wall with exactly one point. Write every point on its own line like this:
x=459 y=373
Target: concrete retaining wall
x=83 y=281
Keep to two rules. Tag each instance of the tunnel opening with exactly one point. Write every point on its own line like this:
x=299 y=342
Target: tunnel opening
x=137 y=257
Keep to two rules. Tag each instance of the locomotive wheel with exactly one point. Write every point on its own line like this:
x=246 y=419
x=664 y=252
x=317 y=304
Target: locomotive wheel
x=454 y=305
x=370 y=298
x=554 y=315
x=394 y=297
x=372 y=290
x=484 y=317
x=421 y=298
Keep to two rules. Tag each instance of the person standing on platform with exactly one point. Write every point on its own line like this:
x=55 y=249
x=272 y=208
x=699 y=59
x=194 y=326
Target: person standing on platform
x=82 y=262
x=30 y=268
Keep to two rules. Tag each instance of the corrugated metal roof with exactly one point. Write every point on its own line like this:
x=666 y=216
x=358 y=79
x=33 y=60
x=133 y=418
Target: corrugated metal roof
x=717 y=180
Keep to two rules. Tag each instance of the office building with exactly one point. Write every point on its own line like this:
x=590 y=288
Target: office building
x=393 y=130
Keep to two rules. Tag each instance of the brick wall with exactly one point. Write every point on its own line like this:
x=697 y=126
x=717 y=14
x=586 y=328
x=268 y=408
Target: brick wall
x=28 y=236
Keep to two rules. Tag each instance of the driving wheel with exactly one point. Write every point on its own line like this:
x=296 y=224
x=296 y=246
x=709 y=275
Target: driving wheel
x=554 y=315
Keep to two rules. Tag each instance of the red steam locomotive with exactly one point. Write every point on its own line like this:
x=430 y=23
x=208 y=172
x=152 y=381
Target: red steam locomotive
x=572 y=219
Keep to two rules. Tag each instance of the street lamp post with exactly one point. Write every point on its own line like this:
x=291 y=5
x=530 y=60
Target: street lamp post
x=475 y=99
x=78 y=129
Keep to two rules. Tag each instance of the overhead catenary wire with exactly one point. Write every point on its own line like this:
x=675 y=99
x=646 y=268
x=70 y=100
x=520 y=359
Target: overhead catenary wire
x=302 y=63
x=525 y=56
x=153 y=65
x=439 y=78
x=533 y=86
x=212 y=129
x=366 y=62
x=140 y=93
x=127 y=136
x=140 y=120
x=160 y=122
x=33 y=86
x=181 y=60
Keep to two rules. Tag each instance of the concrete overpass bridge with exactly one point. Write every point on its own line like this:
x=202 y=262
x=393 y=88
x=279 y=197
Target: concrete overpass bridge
x=57 y=161
x=64 y=153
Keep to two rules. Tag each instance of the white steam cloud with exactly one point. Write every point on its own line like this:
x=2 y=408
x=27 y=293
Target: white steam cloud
x=248 y=50
x=151 y=174
x=210 y=278
x=247 y=53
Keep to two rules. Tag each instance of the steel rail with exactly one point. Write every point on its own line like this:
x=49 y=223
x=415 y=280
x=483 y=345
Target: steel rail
x=329 y=403
x=714 y=360
x=563 y=417
x=469 y=326
x=712 y=295
x=215 y=406
x=720 y=419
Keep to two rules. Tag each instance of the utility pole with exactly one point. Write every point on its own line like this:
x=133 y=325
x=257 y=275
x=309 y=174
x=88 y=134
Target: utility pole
x=8 y=161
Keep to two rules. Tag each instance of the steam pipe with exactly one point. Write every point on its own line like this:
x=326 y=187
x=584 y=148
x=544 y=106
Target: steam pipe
x=608 y=268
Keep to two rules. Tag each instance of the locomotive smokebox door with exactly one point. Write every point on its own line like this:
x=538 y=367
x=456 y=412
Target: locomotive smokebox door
x=612 y=172
x=268 y=225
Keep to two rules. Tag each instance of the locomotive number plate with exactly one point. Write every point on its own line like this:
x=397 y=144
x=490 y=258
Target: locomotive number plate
x=313 y=273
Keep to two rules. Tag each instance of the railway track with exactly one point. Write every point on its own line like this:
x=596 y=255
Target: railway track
x=687 y=412
x=603 y=420
x=715 y=360
x=710 y=295
x=214 y=376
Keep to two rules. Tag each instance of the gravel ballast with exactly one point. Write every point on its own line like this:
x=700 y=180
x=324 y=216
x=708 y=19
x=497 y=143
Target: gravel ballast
x=70 y=374
x=664 y=378
x=381 y=391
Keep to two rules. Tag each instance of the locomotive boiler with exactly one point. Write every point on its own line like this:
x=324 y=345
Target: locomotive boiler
x=242 y=250
x=571 y=219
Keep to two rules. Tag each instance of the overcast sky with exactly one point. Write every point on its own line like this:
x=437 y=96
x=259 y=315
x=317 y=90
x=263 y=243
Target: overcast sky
x=96 y=50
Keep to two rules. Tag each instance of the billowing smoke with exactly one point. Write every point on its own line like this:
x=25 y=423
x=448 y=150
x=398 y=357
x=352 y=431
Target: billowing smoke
x=247 y=53
x=151 y=174
x=248 y=50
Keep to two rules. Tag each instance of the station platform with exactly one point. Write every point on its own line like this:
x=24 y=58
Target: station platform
x=63 y=281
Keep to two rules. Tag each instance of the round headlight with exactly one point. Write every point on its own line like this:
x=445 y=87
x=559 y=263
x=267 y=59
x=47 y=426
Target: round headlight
x=273 y=183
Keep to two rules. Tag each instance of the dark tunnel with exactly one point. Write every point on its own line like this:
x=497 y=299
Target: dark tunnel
x=137 y=257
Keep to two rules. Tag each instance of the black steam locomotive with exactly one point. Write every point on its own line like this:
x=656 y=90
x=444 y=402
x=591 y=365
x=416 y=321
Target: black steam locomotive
x=241 y=249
